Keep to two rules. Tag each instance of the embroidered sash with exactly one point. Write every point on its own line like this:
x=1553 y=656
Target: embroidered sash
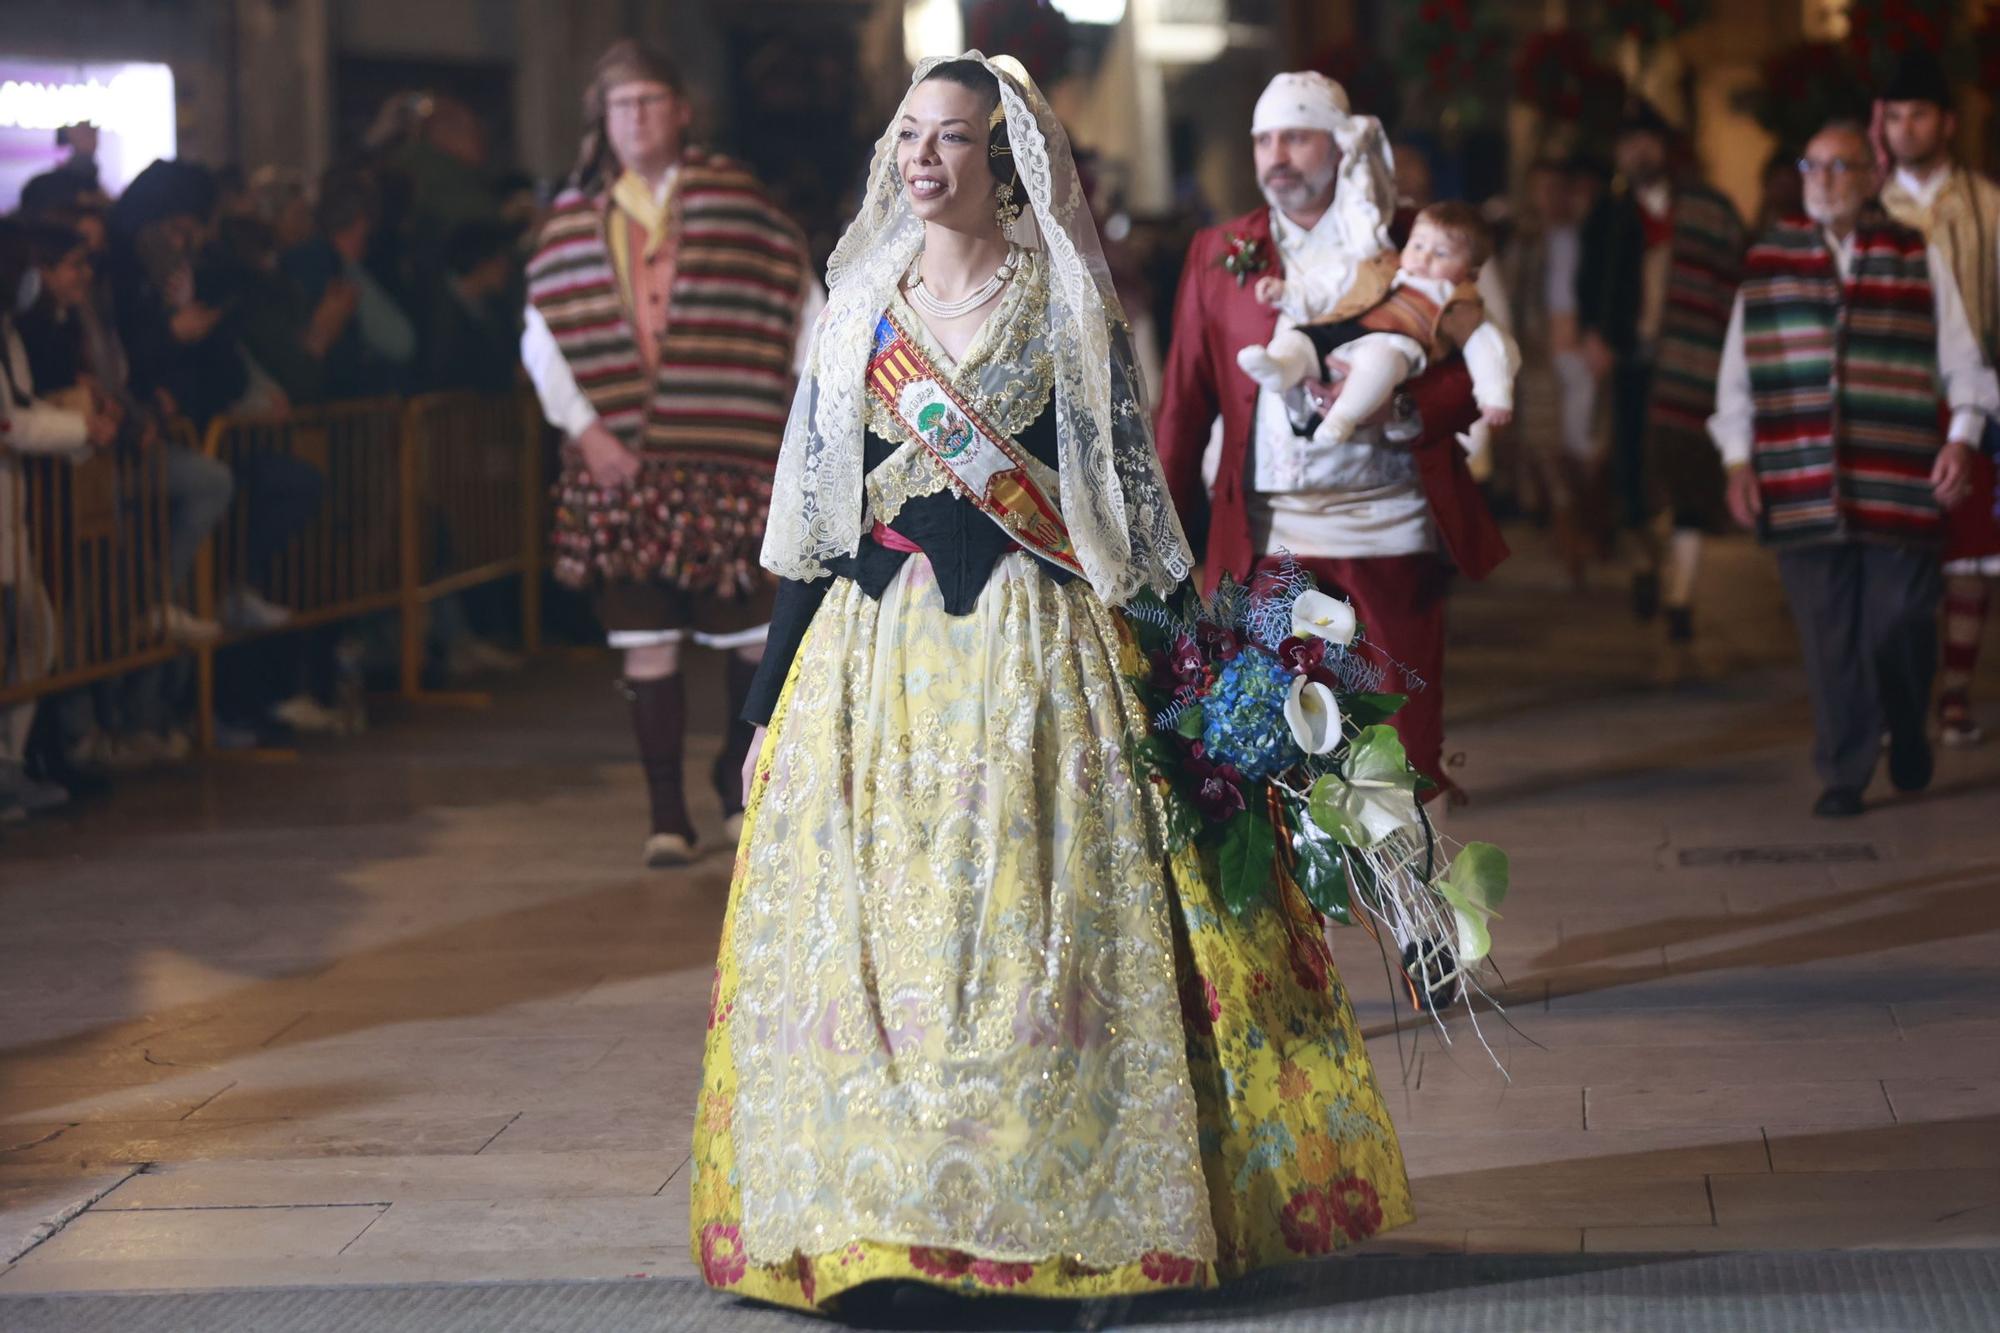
x=987 y=467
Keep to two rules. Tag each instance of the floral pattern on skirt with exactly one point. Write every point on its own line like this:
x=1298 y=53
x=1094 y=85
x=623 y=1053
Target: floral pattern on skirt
x=1293 y=1152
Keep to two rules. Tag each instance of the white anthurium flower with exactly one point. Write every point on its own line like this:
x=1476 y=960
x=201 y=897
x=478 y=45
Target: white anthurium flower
x=1374 y=799
x=1330 y=618
x=1314 y=716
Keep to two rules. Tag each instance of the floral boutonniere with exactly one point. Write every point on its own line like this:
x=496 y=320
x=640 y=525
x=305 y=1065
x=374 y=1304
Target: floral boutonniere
x=1246 y=258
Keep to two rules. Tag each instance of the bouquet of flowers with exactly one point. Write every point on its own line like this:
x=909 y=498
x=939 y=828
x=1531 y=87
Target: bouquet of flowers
x=1270 y=736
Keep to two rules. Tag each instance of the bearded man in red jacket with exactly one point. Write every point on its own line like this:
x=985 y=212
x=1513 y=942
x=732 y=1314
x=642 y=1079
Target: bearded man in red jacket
x=1382 y=520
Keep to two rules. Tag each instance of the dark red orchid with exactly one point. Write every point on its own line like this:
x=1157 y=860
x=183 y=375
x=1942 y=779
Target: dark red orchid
x=1220 y=790
x=1185 y=664
x=1222 y=643
x=1307 y=657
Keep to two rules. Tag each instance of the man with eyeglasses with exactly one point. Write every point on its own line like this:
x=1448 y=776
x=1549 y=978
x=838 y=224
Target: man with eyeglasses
x=1846 y=332
x=669 y=303
x=1959 y=211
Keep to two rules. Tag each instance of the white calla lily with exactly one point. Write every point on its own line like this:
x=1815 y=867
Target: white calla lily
x=1314 y=716
x=1330 y=618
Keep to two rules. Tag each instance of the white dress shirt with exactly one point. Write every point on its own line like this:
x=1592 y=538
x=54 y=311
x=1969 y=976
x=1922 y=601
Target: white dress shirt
x=1562 y=256
x=1970 y=389
x=1282 y=461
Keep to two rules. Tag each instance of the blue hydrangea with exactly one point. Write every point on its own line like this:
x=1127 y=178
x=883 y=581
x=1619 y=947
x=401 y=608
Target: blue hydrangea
x=1243 y=717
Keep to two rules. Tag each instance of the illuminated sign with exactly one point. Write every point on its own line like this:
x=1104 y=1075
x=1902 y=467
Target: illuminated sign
x=132 y=106
x=1092 y=11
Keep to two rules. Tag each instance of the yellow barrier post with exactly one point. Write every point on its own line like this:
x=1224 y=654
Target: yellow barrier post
x=412 y=557
x=206 y=575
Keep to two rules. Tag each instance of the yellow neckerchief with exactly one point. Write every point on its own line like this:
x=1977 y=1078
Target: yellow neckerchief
x=633 y=197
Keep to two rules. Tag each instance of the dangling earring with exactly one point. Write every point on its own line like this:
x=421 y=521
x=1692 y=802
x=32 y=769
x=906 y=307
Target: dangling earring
x=1006 y=209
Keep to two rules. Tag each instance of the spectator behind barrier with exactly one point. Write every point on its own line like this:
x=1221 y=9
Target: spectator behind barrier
x=29 y=427
x=472 y=339
x=376 y=351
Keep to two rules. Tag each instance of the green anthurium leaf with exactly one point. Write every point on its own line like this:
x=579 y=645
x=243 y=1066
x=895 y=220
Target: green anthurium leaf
x=1373 y=798
x=1365 y=710
x=1322 y=873
x=1475 y=885
x=1189 y=724
x=1244 y=859
x=1327 y=807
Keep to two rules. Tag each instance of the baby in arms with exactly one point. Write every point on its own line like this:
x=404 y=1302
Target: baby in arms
x=1430 y=311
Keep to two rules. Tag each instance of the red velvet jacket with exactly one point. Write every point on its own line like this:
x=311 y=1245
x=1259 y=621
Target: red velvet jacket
x=1213 y=318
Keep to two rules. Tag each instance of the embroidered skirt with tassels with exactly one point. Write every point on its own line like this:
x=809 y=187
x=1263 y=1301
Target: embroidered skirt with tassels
x=695 y=523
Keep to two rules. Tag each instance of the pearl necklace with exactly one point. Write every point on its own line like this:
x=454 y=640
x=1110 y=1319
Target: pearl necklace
x=920 y=295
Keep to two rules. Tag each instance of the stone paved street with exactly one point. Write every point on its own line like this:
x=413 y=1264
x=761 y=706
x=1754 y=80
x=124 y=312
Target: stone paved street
x=404 y=1009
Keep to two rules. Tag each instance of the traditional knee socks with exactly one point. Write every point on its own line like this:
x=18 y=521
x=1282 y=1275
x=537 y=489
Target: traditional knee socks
x=659 y=720
x=1965 y=602
x=1677 y=590
x=738 y=675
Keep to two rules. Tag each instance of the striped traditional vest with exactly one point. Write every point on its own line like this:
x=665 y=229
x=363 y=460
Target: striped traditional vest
x=1707 y=257
x=1844 y=378
x=723 y=387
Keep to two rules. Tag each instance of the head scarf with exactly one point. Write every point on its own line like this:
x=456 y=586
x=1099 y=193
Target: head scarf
x=1301 y=100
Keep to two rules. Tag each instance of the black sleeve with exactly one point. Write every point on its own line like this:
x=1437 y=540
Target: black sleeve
x=1592 y=272
x=797 y=604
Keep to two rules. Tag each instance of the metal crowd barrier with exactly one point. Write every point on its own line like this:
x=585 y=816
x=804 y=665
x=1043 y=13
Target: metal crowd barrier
x=478 y=512
x=83 y=569
x=350 y=510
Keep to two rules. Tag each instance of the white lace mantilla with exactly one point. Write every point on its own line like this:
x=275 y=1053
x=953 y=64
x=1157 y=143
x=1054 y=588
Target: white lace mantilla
x=1114 y=498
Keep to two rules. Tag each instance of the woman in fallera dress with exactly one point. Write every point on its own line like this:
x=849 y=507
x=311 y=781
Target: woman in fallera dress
x=974 y=1023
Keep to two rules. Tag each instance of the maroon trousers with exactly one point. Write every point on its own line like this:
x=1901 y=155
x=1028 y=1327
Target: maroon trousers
x=1399 y=600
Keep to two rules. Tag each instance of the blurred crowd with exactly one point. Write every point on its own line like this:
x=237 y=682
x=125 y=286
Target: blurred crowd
x=127 y=325
x=131 y=323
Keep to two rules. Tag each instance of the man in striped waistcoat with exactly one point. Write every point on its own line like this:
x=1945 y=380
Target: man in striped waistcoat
x=1657 y=270
x=669 y=301
x=1958 y=211
x=1846 y=333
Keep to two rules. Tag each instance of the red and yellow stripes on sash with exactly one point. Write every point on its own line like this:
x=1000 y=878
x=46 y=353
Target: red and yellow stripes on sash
x=985 y=466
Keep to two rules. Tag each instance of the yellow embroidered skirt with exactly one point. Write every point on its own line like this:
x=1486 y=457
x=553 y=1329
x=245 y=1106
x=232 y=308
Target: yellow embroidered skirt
x=971 y=1024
